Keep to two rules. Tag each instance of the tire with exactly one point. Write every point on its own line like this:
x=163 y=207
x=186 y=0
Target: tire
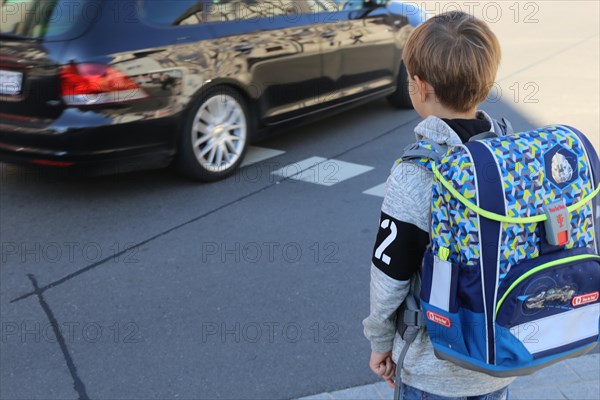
x=400 y=98
x=215 y=137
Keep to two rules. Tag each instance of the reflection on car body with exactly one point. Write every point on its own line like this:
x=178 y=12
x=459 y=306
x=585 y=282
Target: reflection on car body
x=145 y=82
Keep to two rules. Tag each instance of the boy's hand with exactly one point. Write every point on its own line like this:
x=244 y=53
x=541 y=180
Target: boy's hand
x=383 y=366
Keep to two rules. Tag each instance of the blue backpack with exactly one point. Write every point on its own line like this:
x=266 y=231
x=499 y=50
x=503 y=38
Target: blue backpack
x=511 y=279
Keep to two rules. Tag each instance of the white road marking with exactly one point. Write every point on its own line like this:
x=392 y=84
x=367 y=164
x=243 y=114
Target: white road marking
x=378 y=190
x=257 y=154
x=322 y=171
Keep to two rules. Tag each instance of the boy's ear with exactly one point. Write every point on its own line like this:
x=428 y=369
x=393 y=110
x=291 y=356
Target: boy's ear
x=424 y=89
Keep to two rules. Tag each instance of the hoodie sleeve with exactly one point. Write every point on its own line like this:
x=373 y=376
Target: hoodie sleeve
x=398 y=251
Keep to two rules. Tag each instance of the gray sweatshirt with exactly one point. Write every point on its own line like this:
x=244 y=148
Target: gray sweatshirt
x=408 y=200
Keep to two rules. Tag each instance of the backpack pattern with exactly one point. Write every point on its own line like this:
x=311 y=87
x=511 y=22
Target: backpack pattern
x=490 y=272
x=465 y=227
x=524 y=173
x=455 y=226
x=526 y=189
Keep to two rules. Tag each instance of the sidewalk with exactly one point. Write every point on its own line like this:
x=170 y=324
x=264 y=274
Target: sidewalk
x=575 y=379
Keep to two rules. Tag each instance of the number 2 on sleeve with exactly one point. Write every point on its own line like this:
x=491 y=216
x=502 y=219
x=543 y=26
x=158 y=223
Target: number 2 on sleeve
x=379 y=252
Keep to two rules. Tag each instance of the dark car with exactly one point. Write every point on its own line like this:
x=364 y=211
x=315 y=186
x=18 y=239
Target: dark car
x=108 y=86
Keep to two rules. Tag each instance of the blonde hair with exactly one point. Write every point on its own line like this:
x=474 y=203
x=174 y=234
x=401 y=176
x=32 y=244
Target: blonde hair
x=458 y=55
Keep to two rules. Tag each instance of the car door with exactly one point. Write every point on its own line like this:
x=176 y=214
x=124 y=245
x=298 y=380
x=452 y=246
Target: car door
x=280 y=50
x=360 y=50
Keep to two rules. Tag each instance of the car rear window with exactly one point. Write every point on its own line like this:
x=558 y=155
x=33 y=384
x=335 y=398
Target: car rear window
x=44 y=19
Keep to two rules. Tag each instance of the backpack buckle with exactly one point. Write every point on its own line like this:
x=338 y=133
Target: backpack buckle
x=414 y=318
x=409 y=318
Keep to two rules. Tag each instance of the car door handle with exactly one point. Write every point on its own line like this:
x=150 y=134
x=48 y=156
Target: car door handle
x=145 y=53
x=244 y=47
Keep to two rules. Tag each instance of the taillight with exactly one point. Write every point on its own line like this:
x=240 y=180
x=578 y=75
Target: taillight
x=92 y=84
x=53 y=163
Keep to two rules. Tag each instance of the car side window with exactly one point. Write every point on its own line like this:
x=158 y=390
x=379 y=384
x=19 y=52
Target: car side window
x=171 y=12
x=349 y=5
x=182 y=12
x=253 y=9
x=191 y=12
x=240 y=10
x=168 y=12
x=319 y=6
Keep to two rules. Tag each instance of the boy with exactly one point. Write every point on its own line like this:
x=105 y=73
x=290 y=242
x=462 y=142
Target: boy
x=452 y=60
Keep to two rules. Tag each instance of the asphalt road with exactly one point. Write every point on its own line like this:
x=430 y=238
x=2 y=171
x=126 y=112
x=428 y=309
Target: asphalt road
x=253 y=287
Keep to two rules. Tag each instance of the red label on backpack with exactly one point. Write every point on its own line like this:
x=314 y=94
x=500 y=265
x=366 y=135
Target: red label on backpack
x=585 y=299
x=439 y=319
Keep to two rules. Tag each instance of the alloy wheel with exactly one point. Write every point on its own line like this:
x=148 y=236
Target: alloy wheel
x=219 y=132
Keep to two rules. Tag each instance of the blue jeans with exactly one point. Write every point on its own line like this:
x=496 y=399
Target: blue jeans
x=410 y=393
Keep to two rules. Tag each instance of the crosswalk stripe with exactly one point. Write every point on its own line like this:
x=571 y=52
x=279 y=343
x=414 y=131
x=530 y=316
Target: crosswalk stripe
x=257 y=154
x=322 y=171
x=378 y=190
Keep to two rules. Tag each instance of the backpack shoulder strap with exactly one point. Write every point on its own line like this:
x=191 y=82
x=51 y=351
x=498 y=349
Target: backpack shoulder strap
x=503 y=126
x=499 y=128
x=409 y=321
x=482 y=136
x=429 y=150
x=423 y=153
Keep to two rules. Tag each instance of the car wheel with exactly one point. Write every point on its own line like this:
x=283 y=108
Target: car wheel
x=215 y=137
x=400 y=98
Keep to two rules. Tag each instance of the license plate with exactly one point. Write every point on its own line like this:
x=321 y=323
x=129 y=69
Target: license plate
x=11 y=82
